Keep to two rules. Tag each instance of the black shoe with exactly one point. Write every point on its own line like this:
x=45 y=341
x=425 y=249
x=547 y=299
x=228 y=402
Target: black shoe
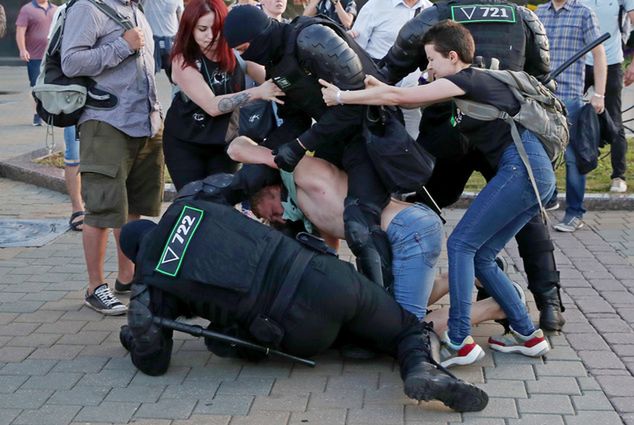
x=104 y=302
x=122 y=288
x=425 y=379
x=549 y=306
x=427 y=382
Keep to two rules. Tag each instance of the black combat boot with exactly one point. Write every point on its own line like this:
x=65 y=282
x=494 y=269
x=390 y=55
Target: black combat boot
x=550 y=308
x=425 y=379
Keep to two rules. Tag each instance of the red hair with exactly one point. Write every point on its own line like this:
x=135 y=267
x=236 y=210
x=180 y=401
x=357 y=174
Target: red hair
x=186 y=46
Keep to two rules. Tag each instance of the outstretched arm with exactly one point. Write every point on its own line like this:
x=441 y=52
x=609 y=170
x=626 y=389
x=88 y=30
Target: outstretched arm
x=377 y=93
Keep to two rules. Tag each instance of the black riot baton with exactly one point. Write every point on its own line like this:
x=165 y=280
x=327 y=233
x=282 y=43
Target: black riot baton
x=574 y=58
x=198 y=331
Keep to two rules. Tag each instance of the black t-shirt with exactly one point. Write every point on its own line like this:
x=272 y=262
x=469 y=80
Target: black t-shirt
x=489 y=137
x=186 y=121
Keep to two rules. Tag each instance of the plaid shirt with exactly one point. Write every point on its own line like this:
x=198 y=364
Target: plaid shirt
x=569 y=29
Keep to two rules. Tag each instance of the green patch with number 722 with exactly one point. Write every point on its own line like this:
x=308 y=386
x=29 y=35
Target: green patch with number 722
x=180 y=236
x=474 y=13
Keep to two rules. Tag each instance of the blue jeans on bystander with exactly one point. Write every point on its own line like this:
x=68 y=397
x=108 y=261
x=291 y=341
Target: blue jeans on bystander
x=501 y=209
x=575 y=181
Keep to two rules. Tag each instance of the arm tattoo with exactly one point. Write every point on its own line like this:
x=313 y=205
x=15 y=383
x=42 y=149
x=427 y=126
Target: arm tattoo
x=228 y=104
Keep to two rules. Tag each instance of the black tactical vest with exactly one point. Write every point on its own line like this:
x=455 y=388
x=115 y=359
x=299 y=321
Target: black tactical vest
x=496 y=26
x=215 y=259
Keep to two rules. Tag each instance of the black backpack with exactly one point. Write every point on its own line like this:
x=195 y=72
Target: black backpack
x=60 y=100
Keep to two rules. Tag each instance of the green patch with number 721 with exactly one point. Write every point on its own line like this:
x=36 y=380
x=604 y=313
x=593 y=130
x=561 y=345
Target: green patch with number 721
x=474 y=13
x=180 y=236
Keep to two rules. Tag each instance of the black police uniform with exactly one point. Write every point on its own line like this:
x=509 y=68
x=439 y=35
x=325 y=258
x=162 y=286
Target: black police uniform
x=514 y=36
x=296 y=55
x=206 y=259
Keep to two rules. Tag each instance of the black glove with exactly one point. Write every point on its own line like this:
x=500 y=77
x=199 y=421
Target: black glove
x=288 y=155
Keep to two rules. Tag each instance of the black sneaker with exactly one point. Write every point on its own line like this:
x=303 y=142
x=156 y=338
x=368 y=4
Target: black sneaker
x=104 y=302
x=122 y=288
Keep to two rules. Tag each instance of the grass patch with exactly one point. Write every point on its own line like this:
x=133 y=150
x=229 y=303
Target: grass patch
x=55 y=160
x=597 y=180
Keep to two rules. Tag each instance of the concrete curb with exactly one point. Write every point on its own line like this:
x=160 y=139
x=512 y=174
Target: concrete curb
x=22 y=168
x=592 y=201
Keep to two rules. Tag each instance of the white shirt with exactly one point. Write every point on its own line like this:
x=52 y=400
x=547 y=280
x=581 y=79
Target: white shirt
x=378 y=24
x=607 y=12
x=161 y=14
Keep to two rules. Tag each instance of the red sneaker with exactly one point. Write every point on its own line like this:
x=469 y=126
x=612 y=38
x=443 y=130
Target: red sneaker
x=533 y=345
x=466 y=353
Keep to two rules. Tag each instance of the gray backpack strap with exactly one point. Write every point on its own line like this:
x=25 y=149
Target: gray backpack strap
x=113 y=14
x=484 y=112
x=517 y=140
x=479 y=111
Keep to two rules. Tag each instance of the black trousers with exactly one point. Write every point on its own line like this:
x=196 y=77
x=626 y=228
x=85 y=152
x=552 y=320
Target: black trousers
x=188 y=162
x=613 y=89
x=331 y=297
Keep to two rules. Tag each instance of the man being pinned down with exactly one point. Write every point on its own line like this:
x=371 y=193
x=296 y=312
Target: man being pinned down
x=314 y=194
x=205 y=258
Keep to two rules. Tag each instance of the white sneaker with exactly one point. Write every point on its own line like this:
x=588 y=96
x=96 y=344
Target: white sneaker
x=569 y=225
x=618 y=185
x=459 y=355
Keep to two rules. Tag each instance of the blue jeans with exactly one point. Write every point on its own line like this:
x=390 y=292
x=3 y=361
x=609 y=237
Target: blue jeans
x=501 y=209
x=416 y=235
x=71 y=144
x=575 y=181
x=33 y=69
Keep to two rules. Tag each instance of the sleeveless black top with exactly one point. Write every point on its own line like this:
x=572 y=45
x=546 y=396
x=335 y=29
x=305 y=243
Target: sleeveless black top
x=186 y=121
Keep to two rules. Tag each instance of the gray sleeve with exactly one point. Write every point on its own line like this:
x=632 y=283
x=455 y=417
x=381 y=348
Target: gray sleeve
x=80 y=56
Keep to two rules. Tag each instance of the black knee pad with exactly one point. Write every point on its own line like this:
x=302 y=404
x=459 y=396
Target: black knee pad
x=362 y=223
x=358 y=220
x=147 y=335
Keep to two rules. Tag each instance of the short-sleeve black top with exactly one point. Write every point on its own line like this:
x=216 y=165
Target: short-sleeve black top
x=186 y=121
x=489 y=137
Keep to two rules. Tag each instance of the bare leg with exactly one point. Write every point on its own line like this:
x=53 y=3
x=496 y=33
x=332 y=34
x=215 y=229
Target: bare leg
x=73 y=186
x=440 y=289
x=481 y=311
x=125 y=265
x=95 y=240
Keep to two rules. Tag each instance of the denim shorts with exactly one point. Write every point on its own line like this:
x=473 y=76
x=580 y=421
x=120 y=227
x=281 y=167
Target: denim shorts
x=71 y=147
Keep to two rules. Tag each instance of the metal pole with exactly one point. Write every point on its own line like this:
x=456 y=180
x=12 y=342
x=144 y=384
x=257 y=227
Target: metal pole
x=574 y=58
x=198 y=331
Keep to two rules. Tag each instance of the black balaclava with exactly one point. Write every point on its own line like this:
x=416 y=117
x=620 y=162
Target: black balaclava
x=249 y=24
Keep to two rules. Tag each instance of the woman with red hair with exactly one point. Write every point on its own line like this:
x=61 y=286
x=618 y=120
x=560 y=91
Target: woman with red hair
x=203 y=116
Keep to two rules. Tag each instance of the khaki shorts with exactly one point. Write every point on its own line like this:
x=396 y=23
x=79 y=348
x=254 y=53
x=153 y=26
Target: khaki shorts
x=120 y=175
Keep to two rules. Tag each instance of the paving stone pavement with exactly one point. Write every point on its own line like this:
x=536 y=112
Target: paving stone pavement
x=61 y=363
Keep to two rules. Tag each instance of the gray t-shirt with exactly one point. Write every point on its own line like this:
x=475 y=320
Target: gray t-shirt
x=161 y=14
